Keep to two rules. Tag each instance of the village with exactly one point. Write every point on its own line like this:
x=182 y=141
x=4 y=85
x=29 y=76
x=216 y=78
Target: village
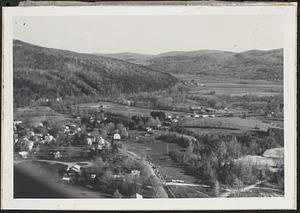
x=102 y=133
x=77 y=144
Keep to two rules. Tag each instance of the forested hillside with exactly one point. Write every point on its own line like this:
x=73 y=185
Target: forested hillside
x=47 y=73
x=253 y=64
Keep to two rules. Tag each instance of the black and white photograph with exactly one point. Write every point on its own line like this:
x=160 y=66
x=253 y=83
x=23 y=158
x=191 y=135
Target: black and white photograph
x=173 y=105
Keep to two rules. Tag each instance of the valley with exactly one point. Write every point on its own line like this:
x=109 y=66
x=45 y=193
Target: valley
x=179 y=125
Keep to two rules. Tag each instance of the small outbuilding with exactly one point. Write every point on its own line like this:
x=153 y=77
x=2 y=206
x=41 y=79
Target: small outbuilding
x=117 y=137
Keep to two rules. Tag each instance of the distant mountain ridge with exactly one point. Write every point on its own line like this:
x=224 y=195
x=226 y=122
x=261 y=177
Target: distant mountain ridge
x=47 y=72
x=136 y=58
x=252 y=64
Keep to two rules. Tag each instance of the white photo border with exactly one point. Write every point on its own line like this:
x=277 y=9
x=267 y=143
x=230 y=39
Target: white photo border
x=286 y=10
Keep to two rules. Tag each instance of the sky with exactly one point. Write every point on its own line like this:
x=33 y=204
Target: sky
x=152 y=34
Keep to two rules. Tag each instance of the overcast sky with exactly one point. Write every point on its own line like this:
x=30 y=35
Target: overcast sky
x=151 y=34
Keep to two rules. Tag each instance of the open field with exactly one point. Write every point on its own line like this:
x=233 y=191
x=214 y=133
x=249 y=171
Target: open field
x=233 y=123
x=215 y=79
x=157 y=150
x=123 y=109
x=203 y=131
x=233 y=87
x=35 y=115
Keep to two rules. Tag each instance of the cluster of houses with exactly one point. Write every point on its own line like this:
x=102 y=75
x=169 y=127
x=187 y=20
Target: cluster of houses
x=192 y=83
x=25 y=140
x=28 y=140
x=88 y=174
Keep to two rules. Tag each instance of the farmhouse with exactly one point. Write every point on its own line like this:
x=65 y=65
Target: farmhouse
x=117 y=137
x=135 y=173
x=210 y=110
x=101 y=143
x=17 y=123
x=137 y=196
x=75 y=168
x=148 y=129
x=195 y=108
x=90 y=139
x=24 y=154
x=57 y=155
x=49 y=138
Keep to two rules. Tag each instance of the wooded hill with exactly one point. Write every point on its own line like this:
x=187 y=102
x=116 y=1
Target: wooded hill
x=40 y=72
x=253 y=64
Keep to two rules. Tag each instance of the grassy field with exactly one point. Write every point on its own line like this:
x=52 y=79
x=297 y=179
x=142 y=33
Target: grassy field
x=234 y=123
x=157 y=151
x=230 y=86
x=35 y=115
x=203 y=131
x=123 y=109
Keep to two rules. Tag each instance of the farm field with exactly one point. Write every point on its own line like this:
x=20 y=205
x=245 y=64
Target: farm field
x=156 y=151
x=234 y=123
x=210 y=78
x=35 y=115
x=233 y=87
x=122 y=109
x=203 y=131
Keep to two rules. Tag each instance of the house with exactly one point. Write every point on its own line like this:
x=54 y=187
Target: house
x=66 y=179
x=57 y=155
x=148 y=129
x=210 y=110
x=17 y=122
x=30 y=145
x=90 y=140
x=128 y=103
x=175 y=120
x=138 y=196
x=49 y=138
x=76 y=168
x=70 y=129
x=101 y=143
x=135 y=173
x=24 y=154
x=67 y=129
x=93 y=175
x=118 y=176
x=117 y=137
x=195 y=108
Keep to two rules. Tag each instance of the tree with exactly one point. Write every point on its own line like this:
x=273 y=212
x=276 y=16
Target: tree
x=103 y=132
x=217 y=188
x=152 y=122
x=95 y=133
x=212 y=102
x=117 y=194
x=237 y=183
x=110 y=127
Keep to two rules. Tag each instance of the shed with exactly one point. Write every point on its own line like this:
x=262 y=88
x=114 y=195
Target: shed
x=117 y=137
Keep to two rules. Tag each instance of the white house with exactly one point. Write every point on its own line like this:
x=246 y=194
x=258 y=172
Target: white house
x=138 y=196
x=49 y=138
x=117 y=137
x=24 y=154
x=136 y=173
x=89 y=141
